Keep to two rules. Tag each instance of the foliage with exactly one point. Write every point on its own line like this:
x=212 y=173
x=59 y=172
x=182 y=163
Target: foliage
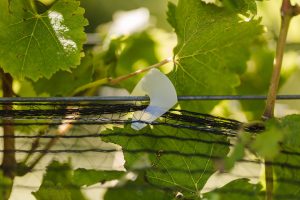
x=171 y=155
x=289 y=126
x=36 y=45
x=57 y=184
x=132 y=59
x=61 y=182
x=271 y=149
x=135 y=190
x=238 y=189
x=75 y=78
x=255 y=80
x=221 y=49
x=209 y=40
x=124 y=56
x=84 y=177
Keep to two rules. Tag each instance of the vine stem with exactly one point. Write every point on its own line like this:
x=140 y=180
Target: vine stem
x=9 y=158
x=269 y=180
x=125 y=77
x=288 y=11
x=271 y=98
x=270 y=104
x=120 y=78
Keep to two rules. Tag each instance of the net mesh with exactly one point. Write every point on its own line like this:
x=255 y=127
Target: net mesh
x=78 y=131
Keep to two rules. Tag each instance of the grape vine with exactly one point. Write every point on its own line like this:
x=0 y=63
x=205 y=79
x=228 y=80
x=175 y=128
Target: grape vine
x=219 y=47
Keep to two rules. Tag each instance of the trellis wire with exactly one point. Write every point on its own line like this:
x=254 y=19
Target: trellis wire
x=143 y=98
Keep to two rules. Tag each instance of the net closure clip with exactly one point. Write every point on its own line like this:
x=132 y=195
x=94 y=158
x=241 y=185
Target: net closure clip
x=162 y=96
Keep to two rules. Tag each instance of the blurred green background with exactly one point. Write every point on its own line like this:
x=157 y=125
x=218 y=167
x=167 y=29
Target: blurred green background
x=101 y=11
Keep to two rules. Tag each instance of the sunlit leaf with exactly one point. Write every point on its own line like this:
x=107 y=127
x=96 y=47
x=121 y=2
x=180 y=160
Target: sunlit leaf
x=242 y=6
x=212 y=50
x=36 y=45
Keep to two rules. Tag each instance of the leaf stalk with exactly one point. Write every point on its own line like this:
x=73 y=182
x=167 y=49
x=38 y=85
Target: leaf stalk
x=119 y=79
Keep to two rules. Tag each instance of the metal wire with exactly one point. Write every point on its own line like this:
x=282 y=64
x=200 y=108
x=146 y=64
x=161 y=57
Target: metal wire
x=143 y=98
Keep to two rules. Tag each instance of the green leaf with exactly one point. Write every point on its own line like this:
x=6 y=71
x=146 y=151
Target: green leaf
x=237 y=154
x=239 y=189
x=274 y=136
x=126 y=55
x=279 y=133
x=286 y=162
x=138 y=52
x=57 y=184
x=290 y=126
x=212 y=50
x=256 y=79
x=242 y=6
x=136 y=190
x=171 y=14
x=85 y=177
x=66 y=82
x=122 y=57
x=246 y=7
x=181 y=160
x=36 y=45
x=286 y=172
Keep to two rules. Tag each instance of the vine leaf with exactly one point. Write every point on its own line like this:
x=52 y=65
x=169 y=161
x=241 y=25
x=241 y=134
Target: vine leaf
x=212 y=50
x=125 y=56
x=247 y=7
x=181 y=160
x=61 y=182
x=132 y=58
x=87 y=177
x=283 y=147
x=287 y=176
x=67 y=81
x=274 y=137
x=243 y=6
x=257 y=80
x=57 y=184
x=239 y=189
x=37 y=45
x=136 y=190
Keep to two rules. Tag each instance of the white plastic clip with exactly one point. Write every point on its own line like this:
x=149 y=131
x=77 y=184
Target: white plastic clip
x=162 y=96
